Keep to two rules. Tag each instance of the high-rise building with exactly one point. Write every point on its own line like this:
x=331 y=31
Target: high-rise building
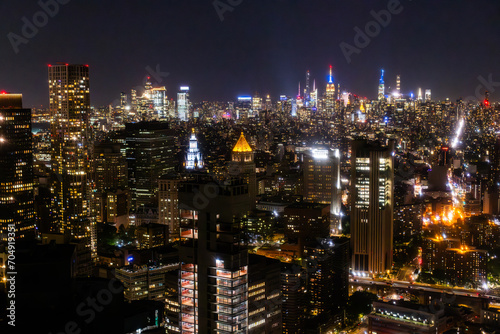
x=293 y=287
x=159 y=100
x=193 y=157
x=151 y=153
x=242 y=164
x=244 y=107
x=322 y=182
x=427 y=94
x=69 y=104
x=420 y=98
x=381 y=87
x=328 y=269
x=330 y=96
x=213 y=278
x=398 y=86
x=264 y=295
x=372 y=184
x=16 y=168
x=307 y=90
x=168 y=203
x=183 y=104
x=110 y=199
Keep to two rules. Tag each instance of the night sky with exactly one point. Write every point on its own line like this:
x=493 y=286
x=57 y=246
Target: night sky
x=261 y=46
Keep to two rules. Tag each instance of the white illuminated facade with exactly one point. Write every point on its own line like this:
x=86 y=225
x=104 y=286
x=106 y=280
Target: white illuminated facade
x=193 y=158
x=372 y=181
x=183 y=103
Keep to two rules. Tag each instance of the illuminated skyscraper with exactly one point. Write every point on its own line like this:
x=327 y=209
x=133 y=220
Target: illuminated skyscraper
x=420 y=94
x=160 y=102
x=213 y=276
x=307 y=90
x=322 y=182
x=193 y=157
x=372 y=184
x=244 y=107
x=330 y=94
x=242 y=164
x=398 y=86
x=381 y=87
x=16 y=168
x=427 y=94
x=183 y=103
x=69 y=103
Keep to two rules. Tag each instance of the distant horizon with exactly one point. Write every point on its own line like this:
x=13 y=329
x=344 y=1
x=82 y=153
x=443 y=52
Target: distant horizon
x=264 y=46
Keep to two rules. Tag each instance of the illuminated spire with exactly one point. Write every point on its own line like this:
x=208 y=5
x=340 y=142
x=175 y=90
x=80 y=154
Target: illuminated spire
x=242 y=145
x=382 y=77
x=330 y=77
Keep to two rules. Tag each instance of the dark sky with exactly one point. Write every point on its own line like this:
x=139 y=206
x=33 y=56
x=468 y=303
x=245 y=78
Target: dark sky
x=262 y=45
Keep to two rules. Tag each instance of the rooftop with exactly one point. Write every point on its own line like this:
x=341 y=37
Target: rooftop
x=242 y=145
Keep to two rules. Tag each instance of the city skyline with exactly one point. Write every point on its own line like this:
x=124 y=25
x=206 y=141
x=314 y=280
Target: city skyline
x=270 y=58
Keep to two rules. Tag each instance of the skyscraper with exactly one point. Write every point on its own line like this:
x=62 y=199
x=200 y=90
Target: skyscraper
x=381 y=87
x=151 y=153
x=69 y=104
x=242 y=164
x=322 y=182
x=168 y=203
x=183 y=103
x=16 y=168
x=330 y=94
x=427 y=94
x=372 y=184
x=213 y=278
x=193 y=157
x=398 y=86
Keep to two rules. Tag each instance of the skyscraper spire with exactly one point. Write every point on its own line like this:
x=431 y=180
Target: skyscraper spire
x=381 y=87
x=330 y=77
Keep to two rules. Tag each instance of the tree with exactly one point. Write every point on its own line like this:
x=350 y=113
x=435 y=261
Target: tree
x=359 y=304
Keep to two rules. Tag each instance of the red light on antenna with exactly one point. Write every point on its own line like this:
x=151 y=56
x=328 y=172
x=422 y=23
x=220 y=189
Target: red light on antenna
x=3 y=92
x=486 y=102
x=49 y=65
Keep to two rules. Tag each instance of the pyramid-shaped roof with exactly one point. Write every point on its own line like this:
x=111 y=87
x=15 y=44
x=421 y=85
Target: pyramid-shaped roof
x=242 y=145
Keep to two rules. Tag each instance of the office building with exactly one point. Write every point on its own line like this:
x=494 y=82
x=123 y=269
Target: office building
x=110 y=202
x=151 y=152
x=213 y=279
x=168 y=203
x=183 y=104
x=16 y=168
x=372 y=184
x=264 y=295
x=69 y=104
x=322 y=182
x=293 y=288
x=146 y=282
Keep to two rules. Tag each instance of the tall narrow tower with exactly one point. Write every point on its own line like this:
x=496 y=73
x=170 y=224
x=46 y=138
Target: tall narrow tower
x=193 y=158
x=307 y=90
x=243 y=165
x=372 y=184
x=398 y=86
x=330 y=94
x=381 y=87
x=69 y=103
